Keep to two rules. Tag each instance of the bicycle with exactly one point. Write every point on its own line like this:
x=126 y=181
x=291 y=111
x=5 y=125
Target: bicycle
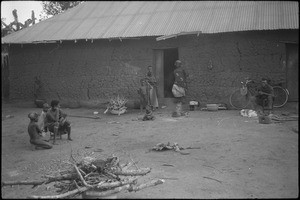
x=241 y=97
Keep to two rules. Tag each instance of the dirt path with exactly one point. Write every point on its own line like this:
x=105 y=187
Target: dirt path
x=238 y=157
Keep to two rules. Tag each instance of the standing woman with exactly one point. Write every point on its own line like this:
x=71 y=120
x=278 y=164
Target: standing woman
x=152 y=88
x=179 y=88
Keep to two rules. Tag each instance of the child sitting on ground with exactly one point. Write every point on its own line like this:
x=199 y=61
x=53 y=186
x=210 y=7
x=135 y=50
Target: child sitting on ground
x=35 y=132
x=148 y=115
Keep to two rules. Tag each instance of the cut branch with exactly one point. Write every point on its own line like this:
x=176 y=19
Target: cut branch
x=126 y=166
x=22 y=183
x=145 y=185
x=67 y=194
x=139 y=172
x=81 y=178
x=115 y=184
x=109 y=192
x=34 y=182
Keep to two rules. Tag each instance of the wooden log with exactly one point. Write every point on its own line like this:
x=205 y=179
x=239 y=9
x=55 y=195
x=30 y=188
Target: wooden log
x=81 y=178
x=145 y=185
x=139 y=172
x=60 y=196
x=115 y=184
x=108 y=192
x=128 y=187
x=5 y=183
x=124 y=168
x=40 y=182
x=92 y=192
x=81 y=116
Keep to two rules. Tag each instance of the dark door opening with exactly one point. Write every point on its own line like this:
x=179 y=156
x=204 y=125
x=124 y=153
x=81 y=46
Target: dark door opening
x=292 y=71
x=170 y=56
x=5 y=76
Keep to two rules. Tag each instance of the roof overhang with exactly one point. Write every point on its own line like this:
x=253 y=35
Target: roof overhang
x=177 y=34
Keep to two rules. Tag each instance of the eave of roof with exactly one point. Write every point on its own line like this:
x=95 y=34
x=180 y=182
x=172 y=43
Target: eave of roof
x=129 y=19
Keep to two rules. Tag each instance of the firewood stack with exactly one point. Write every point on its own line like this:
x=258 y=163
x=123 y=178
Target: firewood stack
x=100 y=177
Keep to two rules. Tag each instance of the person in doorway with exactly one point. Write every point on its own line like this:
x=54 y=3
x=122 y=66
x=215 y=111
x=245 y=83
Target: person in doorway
x=180 y=83
x=35 y=133
x=152 y=88
x=56 y=121
x=179 y=88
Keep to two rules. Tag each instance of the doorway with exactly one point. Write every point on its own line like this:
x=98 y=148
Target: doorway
x=164 y=60
x=5 y=76
x=292 y=76
x=170 y=56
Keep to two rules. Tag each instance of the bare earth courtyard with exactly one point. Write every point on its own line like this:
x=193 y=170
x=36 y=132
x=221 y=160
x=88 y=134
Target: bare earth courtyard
x=237 y=157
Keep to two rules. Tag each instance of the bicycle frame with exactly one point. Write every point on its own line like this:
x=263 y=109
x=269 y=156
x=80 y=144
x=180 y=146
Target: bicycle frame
x=246 y=87
x=253 y=93
x=247 y=91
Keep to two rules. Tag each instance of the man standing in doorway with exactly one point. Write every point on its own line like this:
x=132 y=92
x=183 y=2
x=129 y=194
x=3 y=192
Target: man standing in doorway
x=179 y=88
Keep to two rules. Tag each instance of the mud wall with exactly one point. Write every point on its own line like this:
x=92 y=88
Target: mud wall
x=94 y=71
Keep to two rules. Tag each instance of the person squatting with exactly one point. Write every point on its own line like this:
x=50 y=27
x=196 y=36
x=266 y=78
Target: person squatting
x=35 y=133
x=56 y=121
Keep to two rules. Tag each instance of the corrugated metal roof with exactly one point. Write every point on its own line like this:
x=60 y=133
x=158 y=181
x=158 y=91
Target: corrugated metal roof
x=109 y=19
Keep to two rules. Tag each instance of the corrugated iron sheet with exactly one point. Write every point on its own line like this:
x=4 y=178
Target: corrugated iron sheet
x=110 y=19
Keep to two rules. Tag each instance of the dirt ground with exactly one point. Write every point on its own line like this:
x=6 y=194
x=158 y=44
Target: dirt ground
x=237 y=158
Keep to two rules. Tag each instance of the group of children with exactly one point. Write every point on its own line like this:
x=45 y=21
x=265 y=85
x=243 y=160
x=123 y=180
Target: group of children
x=52 y=119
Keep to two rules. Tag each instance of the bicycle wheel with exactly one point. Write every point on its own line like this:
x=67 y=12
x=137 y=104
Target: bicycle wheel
x=280 y=96
x=239 y=101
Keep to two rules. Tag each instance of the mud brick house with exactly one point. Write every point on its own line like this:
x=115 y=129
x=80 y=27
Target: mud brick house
x=99 y=49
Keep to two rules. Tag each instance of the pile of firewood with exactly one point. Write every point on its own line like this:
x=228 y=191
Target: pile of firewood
x=117 y=103
x=101 y=177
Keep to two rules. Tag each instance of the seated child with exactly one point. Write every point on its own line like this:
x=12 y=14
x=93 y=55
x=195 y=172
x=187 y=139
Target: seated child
x=35 y=133
x=148 y=115
x=142 y=91
x=56 y=121
x=265 y=96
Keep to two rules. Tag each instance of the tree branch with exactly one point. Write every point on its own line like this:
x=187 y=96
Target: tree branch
x=71 y=193
x=145 y=185
x=139 y=172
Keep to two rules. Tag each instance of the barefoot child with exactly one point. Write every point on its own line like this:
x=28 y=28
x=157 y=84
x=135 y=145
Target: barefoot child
x=35 y=133
x=42 y=118
x=56 y=121
x=148 y=115
x=142 y=91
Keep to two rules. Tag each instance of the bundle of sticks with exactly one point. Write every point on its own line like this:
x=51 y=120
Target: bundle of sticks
x=116 y=103
x=101 y=177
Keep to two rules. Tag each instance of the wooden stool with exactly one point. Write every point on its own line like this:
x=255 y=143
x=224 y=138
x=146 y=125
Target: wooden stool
x=55 y=133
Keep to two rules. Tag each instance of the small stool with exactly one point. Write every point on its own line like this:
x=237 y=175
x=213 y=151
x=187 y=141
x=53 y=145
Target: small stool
x=55 y=133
